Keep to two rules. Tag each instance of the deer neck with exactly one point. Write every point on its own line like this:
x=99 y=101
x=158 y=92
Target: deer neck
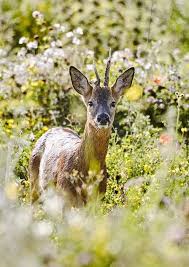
x=94 y=147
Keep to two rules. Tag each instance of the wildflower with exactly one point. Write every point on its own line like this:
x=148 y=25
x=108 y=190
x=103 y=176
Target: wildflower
x=56 y=26
x=59 y=28
x=62 y=28
x=134 y=92
x=184 y=130
x=147 y=66
x=165 y=139
x=161 y=106
x=37 y=15
x=76 y=41
x=22 y=52
x=54 y=52
x=58 y=43
x=151 y=99
x=23 y=40
x=186 y=106
x=32 y=45
x=90 y=53
x=69 y=34
x=3 y=52
x=32 y=137
x=157 y=80
x=79 y=30
x=187 y=96
x=171 y=89
x=90 y=67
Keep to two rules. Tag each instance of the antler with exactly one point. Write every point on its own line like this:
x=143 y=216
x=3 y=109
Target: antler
x=96 y=73
x=107 y=72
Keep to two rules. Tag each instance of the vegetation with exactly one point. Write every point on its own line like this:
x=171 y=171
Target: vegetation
x=143 y=220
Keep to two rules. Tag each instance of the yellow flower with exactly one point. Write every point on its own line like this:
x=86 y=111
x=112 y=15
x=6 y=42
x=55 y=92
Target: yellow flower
x=184 y=130
x=45 y=128
x=134 y=92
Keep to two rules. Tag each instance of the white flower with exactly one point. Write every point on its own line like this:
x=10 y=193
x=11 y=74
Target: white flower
x=69 y=34
x=57 y=43
x=3 y=52
x=53 y=44
x=90 y=67
x=37 y=15
x=76 y=41
x=20 y=73
x=54 y=52
x=32 y=45
x=23 y=40
x=32 y=137
x=62 y=28
x=147 y=66
x=79 y=30
x=90 y=53
x=56 y=26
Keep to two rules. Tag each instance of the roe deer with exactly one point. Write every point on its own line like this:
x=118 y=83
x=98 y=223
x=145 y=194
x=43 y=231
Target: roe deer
x=60 y=151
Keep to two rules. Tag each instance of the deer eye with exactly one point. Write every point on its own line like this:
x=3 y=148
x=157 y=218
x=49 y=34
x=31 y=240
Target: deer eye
x=90 y=103
x=113 y=104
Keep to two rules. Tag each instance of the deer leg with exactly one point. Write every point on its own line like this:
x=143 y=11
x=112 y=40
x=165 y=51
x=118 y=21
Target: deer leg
x=103 y=183
x=34 y=177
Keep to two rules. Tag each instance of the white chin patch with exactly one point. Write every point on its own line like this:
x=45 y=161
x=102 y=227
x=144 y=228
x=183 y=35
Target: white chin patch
x=105 y=126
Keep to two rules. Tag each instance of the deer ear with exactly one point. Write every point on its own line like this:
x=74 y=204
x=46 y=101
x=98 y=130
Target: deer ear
x=123 y=82
x=79 y=82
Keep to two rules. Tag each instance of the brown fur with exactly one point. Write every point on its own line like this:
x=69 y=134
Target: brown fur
x=93 y=146
x=60 y=151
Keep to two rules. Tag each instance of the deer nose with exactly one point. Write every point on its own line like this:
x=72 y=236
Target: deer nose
x=103 y=118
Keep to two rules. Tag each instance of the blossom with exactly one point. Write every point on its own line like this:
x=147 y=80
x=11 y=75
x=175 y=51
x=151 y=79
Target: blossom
x=165 y=139
x=37 y=15
x=56 y=25
x=32 y=45
x=3 y=52
x=79 y=30
x=151 y=99
x=90 y=67
x=23 y=40
x=54 y=52
x=147 y=66
x=22 y=52
x=69 y=34
x=157 y=80
x=184 y=130
x=76 y=41
x=59 y=28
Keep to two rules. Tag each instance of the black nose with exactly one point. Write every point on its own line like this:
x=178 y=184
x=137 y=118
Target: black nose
x=103 y=118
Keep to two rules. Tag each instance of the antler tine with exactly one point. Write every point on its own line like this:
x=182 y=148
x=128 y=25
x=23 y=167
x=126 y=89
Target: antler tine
x=107 y=72
x=96 y=73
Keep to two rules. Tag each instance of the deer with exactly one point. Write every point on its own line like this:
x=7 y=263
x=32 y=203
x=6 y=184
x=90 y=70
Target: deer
x=61 y=151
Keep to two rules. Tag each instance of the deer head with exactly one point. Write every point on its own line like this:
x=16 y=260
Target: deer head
x=101 y=100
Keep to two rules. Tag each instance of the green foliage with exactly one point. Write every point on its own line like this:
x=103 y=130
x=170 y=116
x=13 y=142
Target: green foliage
x=132 y=22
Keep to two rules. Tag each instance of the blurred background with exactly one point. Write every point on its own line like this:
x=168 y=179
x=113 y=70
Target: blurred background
x=116 y=24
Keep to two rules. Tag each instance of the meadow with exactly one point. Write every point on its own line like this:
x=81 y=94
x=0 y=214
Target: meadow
x=143 y=219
